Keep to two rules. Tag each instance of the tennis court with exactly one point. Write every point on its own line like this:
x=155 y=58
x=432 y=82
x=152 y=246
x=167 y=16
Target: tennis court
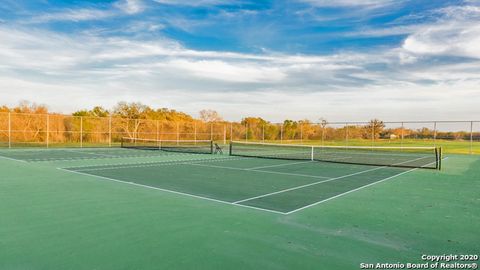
x=282 y=179
x=254 y=206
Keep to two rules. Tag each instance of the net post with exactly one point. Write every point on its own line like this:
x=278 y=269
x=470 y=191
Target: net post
x=110 y=131
x=230 y=149
x=471 y=137
x=438 y=155
x=81 y=131
x=211 y=147
x=9 y=130
x=48 y=129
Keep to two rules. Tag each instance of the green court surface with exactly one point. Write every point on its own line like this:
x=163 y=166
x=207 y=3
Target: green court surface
x=113 y=208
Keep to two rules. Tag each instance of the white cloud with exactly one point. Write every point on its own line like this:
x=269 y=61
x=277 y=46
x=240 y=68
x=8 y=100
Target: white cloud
x=231 y=72
x=75 y=15
x=130 y=6
x=455 y=31
x=76 y=71
x=453 y=39
x=89 y=14
x=195 y=2
x=349 y=3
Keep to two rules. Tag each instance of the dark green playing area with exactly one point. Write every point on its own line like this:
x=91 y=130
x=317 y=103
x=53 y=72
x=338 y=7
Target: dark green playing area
x=117 y=208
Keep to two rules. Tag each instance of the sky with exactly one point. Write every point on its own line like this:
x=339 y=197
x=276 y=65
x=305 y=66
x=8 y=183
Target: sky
x=341 y=60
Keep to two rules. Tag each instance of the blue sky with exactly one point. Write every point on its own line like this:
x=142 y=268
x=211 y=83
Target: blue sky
x=340 y=60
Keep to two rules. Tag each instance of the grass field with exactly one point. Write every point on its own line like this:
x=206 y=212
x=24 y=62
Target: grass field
x=128 y=209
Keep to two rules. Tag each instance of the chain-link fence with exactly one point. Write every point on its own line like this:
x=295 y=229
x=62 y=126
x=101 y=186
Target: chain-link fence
x=55 y=130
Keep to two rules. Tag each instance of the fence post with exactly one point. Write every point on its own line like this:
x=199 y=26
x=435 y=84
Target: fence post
x=224 y=134
x=301 y=133
x=178 y=133
x=211 y=131
x=161 y=130
x=373 y=134
x=323 y=134
x=435 y=134
x=402 y=135
x=246 y=131
x=195 y=132
x=110 y=131
x=9 y=130
x=281 y=134
x=263 y=133
x=346 y=134
x=135 y=129
x=81 y=131
x=48 y=129
x=231 y=131
x=471 y=137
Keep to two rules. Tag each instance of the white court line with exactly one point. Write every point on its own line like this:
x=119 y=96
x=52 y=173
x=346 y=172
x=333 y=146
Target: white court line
x=262 y=171
x=171 y=191
x=84 y=152
x=144 y=163
x=14 y=159
x=148 y=164
x=111 y=157
x=279 y=165
x=88 y=158
x=353 y=190
x=320 y=182
x=307 y=185
x=236 y=203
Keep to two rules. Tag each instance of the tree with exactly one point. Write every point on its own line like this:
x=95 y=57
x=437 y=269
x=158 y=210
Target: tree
x=30 y=107
x=97 y=111
x=133 y=110
x=289 y=129
x=210 y=116
x=4 y=109
x=375 y=126
x=257 y=128
x=307 y=128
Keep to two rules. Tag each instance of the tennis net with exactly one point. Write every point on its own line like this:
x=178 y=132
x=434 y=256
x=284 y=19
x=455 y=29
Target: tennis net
x=183 y=146
x=410 y=157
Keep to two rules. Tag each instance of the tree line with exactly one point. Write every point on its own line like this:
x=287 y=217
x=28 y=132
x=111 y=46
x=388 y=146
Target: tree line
x=135 y=119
